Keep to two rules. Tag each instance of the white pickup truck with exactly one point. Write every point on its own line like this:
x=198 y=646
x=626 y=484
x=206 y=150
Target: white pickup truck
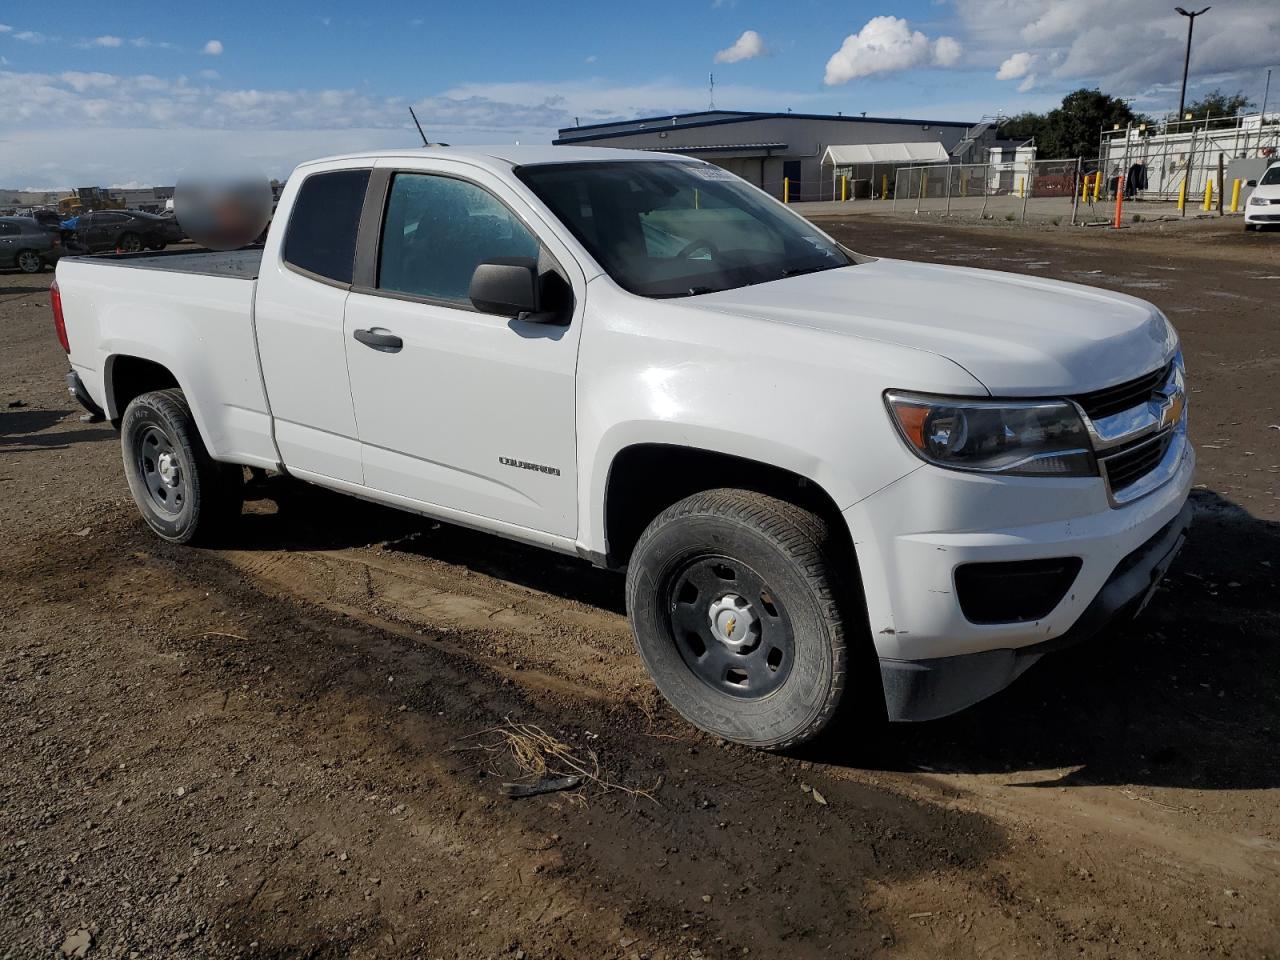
x=810 y=462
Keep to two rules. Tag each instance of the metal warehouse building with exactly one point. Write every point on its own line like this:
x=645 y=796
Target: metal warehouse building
x=809 y=151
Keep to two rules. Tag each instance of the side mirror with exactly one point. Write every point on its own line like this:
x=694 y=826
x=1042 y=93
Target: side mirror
x=507 y=286
x=1251 y=183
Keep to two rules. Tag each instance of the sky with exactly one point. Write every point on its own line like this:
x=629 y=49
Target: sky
x=129 y=93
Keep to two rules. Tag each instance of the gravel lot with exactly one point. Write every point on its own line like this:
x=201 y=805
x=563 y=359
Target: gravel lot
x=290 y=747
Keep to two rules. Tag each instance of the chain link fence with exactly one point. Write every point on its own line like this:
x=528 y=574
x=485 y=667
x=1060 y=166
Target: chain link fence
x=1046 y=191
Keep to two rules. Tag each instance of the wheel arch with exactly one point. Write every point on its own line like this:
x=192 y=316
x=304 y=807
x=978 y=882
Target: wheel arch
x=128 y=375
x=645 y=478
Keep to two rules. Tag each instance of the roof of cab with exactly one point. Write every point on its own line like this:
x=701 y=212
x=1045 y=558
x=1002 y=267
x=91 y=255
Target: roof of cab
x=513 y=155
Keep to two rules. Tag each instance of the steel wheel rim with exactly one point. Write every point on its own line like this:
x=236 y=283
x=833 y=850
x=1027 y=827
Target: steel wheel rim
x=729 y=627
x=162 y=470
x=28 y=262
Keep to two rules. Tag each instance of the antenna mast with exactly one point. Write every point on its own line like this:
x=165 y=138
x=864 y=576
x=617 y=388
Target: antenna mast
x=425 y=142
x=711 y=84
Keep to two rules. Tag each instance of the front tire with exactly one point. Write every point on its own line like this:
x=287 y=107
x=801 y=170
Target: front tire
x=734 y=599
x=183 y=494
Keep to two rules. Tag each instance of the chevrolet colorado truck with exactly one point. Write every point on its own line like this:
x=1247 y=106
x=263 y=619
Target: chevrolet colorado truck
x=834 y=480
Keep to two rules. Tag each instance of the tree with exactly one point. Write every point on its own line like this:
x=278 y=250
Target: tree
x=1071 y=129
x=1024 y=126
x=1215 y=103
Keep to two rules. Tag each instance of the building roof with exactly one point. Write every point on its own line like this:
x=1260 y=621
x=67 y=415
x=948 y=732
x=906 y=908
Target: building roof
x=713 y=147
x=709 y=118
x=846 y=155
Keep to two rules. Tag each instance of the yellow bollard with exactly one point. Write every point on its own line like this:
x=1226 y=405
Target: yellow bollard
x=1084 y=189
x=786 y=190
x=1020 y=179
x=884 y=186
x=1208 y=194
x=1235 y=195
x=1182 y=196
x=1097 y=185
x=844 y=189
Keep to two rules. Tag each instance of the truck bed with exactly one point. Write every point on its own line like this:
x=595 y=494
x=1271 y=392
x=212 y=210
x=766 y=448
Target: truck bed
x=237 y=264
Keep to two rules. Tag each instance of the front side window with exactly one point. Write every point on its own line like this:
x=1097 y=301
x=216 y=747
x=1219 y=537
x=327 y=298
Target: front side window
x=323 y=225
x=438 y=230
x=673 y=229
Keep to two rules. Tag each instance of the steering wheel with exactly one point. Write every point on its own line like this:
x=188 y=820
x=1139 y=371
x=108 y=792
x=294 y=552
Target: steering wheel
x=687 y=251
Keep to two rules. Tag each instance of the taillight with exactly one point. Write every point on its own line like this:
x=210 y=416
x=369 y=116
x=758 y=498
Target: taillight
x=59 y=322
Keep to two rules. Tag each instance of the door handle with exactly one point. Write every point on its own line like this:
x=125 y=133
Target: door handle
x=379 y=340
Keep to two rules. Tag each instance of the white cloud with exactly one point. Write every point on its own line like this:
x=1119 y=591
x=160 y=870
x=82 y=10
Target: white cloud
x=886 y=45
x=1016 y=66
x=148 y=128
x=30 y=36
x=105 y=41
x=1027 y=83
x=1133 y=49
x=213 y=48
x=946 y=51
x=591 y=59
x=208 y=75
x=747 y=47
x=5 y=28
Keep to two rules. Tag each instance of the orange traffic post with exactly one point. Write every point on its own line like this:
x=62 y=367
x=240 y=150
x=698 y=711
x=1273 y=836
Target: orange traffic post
x=1119 y=201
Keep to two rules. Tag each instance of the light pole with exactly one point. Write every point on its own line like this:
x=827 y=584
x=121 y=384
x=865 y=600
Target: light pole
x=1186 y=61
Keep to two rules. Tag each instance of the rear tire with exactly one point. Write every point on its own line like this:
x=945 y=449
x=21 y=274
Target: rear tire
x=734 y=599
x=183 y=494
x=129 y=243
x=28 y=261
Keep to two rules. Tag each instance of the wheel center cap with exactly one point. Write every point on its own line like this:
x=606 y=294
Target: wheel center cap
x=734 y=623
x=167 y=467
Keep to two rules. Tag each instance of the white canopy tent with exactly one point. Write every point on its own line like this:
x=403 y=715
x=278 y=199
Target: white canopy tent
x=901 y=154
x=862 y=163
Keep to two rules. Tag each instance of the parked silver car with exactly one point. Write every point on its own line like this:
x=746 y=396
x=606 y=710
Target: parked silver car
x=28 y=245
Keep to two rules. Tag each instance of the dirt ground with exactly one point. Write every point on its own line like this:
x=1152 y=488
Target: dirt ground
x=291 y=747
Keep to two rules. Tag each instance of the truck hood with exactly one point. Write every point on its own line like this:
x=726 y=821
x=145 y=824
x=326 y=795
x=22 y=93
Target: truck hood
x=1017 y=335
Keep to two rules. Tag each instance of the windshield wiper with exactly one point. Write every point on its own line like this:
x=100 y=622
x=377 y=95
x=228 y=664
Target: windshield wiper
x=797 y=271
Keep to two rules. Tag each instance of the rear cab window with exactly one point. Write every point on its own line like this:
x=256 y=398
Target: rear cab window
x=323 y=224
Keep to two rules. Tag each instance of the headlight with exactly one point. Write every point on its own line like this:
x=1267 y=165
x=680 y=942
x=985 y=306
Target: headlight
x=1032 y=438
x=1258 y=201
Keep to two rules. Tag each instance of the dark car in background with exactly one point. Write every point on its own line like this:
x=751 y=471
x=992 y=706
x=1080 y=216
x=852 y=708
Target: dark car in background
x=28 y=245
x=126 y=230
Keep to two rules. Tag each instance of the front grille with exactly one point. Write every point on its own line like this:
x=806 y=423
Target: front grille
x=1113 y=400
x=1132 y=463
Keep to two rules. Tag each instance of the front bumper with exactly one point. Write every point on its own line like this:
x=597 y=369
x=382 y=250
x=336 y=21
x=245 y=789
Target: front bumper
x=928 y=689
x=913 y=535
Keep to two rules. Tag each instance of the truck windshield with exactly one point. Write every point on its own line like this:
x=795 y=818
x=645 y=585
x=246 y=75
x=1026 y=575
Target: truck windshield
x=1271 y=177
x=666 y=228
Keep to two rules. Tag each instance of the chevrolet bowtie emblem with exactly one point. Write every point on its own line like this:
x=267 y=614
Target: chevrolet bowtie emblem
x=729 y=625
x=1171 y=407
